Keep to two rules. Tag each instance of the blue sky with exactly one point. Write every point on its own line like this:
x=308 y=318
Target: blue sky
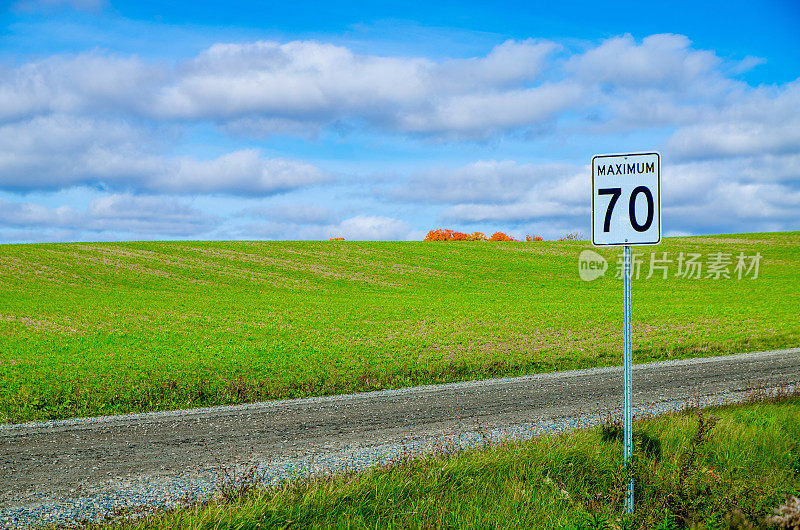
x=260 y=120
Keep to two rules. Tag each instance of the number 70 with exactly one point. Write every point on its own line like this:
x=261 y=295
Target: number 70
x=615 y=193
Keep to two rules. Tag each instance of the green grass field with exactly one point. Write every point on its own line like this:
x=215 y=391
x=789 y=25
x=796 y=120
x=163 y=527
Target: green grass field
x=106 y=328
x=733 y=473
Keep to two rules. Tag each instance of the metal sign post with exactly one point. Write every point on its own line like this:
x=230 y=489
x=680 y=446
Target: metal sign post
x=632 y=181
x=626 y=369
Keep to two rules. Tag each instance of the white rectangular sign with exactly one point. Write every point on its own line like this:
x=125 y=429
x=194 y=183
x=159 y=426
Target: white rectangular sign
x=626 y=199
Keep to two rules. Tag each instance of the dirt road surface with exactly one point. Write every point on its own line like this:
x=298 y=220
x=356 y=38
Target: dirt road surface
x=60 y=460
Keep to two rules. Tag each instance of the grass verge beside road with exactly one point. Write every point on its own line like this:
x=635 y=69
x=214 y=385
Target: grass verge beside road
x=720 y=467
x=108 y=328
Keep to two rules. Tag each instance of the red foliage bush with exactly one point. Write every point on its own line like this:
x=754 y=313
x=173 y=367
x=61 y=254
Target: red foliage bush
x=336 y=239
x=500 y=236
x=444 y=234
x=439 y=235
x=529 y=237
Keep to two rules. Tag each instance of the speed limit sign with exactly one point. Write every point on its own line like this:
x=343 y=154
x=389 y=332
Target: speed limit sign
x=626 y=210
x=626 y=199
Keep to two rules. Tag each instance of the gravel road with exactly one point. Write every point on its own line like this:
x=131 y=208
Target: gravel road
x=62 y=471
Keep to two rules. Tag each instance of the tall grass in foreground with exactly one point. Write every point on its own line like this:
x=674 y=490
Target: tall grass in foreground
x=717 y=468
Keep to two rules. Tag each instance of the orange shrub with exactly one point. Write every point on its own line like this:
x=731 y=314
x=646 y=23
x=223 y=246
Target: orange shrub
x=336 y=239
x=533 y=238
x=439 y=235
x=500 y=236
x=444 y=234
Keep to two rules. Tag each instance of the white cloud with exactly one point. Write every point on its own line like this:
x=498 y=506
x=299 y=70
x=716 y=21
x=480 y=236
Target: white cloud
x=311 y=214
x=660 y=81
x=753 y=193
x=529 y=210
x=664 y=59
x=149 y=215
x=14 y=214
x=303 y=80
x=58 y=152
x=243 y=172
x=52 y=152
x=482 y=115
x=772 y=202
x=85 y=83
x=742 y=194
x=737 y=207
x=746 y=64
x=759 y=121
x=372 y=228
x=357 y=228
x=534 y=192
x=511 y=62
x=483 y=181
x=302 y=87
x=272 y=87
x=109 y=122
x=735 y=139
x=111 y=213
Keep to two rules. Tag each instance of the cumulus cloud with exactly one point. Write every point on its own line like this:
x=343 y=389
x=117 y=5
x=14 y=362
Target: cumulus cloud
x=484 y=114
x=87 y=83
x=658 y=59
x=306 y=214
x=373 y=228
x=743 y=194
x=111 y=213
x=483 y=181
x=277 y=87
x=55 y=152
x=746 y=64
x=108 y=122
x=269 y=84
x=243 y=172
x=737 y=207
x=530 y=209
x=509 y=63
x=659 y=81
x=150 y=215
x=529 y=192
x=764 y=120
x=759 y=192
x=358 y=228
x=301 y=87
x=299 y=79
x=14 y=214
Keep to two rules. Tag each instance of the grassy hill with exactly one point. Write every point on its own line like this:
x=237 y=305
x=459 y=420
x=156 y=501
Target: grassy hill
x=105 y=328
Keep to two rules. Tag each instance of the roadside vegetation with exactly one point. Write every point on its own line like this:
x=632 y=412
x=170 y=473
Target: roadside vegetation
x=106 y=328
x=726 y=467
